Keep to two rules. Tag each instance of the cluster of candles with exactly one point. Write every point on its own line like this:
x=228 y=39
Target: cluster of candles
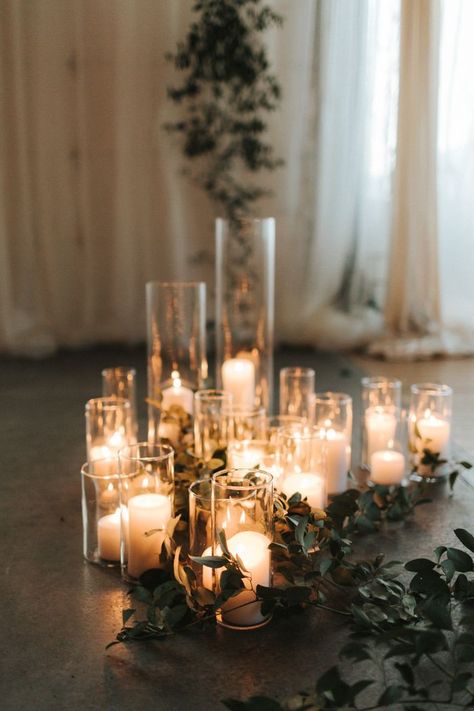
x=128 y=487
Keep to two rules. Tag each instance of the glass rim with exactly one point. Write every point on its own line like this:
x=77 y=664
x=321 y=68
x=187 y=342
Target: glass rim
x=103 y=477
x=196 y=484
x=214 y=394
x=108 y=402
x=247 y=411
x=168 y=452
x=267 y=479
x=431 y=388
x=373 y=381
x=297 y=371
x=329 y=395
x=120 y=369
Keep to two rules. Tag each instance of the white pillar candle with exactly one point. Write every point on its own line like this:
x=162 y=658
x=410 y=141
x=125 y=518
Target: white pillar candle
x=178 y=394
x=435 y=433
x=387 y=467
x=381 y=426
x=309 y=485
x=108 y=535
x=145 y=513
x=336 y=461
x=238 y=378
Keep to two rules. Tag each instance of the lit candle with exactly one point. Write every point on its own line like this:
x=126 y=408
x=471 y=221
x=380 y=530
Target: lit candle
x=108 y=534
x=435 y=433
x=309 y=485
x=177 y=394
x=387 y=467
x=145 y=513
x=336 y=460
x=381 y=427
x=238 y=378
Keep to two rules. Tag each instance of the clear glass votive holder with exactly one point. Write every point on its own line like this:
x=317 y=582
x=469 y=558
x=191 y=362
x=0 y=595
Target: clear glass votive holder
x=101 y=512
x=297 y=391
x=213 y=422
x=249 y=424
x=333 y=415
x=120 y=381
x=429 y=426
x=147 y=490
x=176 y=338
x=109 y=426
x=381 y=408
x=242 y=510
x=303 y=460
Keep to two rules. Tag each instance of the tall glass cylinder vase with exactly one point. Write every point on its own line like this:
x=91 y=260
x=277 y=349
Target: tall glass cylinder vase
x=177 y=365
x=245 y=276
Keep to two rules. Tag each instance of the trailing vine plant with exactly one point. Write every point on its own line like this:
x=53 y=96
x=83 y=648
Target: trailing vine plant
x=226 y=94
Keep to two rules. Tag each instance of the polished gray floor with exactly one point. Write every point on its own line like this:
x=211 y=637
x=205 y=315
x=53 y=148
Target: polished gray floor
x=58 y=613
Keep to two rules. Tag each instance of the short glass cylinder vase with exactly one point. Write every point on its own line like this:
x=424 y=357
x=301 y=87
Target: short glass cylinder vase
x=120 y=381
x=147 y=491
x=297 y=392
x=242 y=512
x=381 y=409
x=176 y=337
x=109 y=427
x=213 y=422
x=333 y=416
x=429 y=428
x=245 y=286
x=101 y=512
x=302 y=456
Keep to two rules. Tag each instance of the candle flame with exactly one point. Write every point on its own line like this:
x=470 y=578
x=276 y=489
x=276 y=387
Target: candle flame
x=242 y=517
x=110 y=487
x=327 y=423
x=116 y=440
x=145 y=483
x=427 y=413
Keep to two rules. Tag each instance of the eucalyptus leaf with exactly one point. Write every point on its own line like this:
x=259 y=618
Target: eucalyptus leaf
x=466 y=538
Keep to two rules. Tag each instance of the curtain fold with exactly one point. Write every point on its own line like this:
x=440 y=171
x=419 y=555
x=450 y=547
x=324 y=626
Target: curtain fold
x=93 y=202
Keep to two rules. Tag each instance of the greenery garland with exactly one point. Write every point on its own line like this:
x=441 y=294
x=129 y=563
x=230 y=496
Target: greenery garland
x=398 y=628
x=226 y=92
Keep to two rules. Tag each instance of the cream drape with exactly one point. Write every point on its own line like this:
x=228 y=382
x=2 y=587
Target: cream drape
x=93 y=204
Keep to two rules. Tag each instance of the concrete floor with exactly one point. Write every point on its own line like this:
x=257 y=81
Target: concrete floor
x=59 y=612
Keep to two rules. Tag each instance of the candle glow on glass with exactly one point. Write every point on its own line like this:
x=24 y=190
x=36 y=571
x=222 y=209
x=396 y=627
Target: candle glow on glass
x=146 y=512
x=381 y=426
x=435 y=433
x=252 y=549
x=238 y=378
x=178 y=394
x=108 y=534
x=387 y=467
x=336 y=459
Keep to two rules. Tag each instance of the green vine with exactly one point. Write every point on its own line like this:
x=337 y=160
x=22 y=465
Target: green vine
x=226 y=93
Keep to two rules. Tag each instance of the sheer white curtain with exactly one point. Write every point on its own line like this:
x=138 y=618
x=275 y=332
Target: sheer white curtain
x=92 y=202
